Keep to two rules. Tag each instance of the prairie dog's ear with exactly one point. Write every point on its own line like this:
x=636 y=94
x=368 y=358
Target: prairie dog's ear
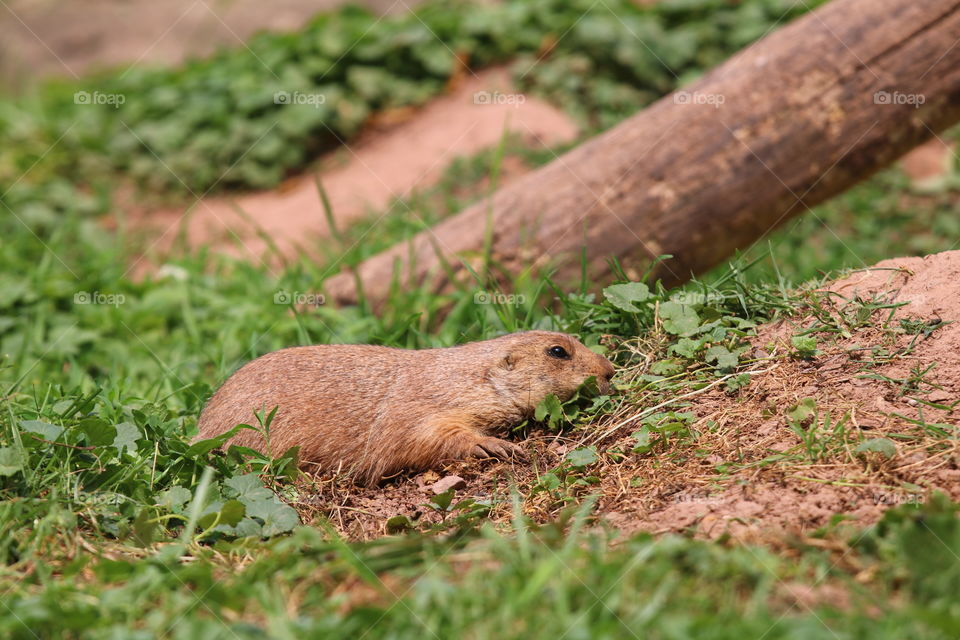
x=508 y=362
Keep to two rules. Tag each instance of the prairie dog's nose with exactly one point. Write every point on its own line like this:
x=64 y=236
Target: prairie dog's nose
x=605 y=375
x=606 y=368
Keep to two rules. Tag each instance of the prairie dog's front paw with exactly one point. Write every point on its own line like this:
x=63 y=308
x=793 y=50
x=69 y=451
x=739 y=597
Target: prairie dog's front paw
x=497 y=448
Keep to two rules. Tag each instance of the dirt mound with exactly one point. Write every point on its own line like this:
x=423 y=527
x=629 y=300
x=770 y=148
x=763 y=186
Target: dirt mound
x=930 y=164
x=887 y=372
x=860 y=421
x=929 y=287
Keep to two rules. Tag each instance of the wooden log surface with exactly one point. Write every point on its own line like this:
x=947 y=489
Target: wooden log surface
x=796 y=118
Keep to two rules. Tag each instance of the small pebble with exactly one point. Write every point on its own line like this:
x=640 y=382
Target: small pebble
x=447 y=483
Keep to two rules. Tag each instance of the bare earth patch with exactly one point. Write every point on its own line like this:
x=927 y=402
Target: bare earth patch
x=69 y=39
x=747 y=472
x=364 y=177
x=929 y=164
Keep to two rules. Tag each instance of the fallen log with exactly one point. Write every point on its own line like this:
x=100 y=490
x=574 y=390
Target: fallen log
x=794 y=119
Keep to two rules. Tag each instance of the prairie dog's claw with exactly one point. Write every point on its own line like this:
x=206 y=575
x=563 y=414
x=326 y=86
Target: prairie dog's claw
x=497 y=448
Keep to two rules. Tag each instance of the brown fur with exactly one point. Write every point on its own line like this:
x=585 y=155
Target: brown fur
x=374 y=411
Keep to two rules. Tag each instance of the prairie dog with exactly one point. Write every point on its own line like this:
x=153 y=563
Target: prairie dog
x=373 y=411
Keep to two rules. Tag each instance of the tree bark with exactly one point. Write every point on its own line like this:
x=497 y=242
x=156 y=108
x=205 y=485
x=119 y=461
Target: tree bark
x=785 y=124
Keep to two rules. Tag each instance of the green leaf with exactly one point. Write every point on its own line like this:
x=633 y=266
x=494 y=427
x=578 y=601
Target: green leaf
x=210 y=516
x=669 y=367
x=670 y=420
x=657 y=421
x=145 y=527
x=232 y=512
x=687 y=348
x=248 y=527
x=239 y=453
x=805 y=345
x=287 y=464
x=98 y=432
x=277 y=517
x=442 y=501
x=550 y=410
x=642 y=438
x=582 y=457
x=202 y=447
x=716 y=334
x=45 y=430
x=127 y=436
x=399 y=524
x=679 y=319
x=464 y=505
x=802 y=411
x=549 y=481
x=738 y=382
x=436 y=57
x=247 y=488
x=722 y=357
x=623 y=296
x=10 y=461
x=174 y=498
x=884 y=446
x=370 y=82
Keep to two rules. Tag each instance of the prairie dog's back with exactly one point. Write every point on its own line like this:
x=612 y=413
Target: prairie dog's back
x=312 y=385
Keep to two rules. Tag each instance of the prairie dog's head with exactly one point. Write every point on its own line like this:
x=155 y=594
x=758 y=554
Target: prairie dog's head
x=534 y=364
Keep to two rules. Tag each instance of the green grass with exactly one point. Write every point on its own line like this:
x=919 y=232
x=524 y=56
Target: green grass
x=113 y=525
x=118 y=529
x=92 y=528
x=546 y=582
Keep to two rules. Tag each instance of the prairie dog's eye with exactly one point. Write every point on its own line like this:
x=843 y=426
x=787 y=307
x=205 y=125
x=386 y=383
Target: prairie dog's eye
x=558 y=352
